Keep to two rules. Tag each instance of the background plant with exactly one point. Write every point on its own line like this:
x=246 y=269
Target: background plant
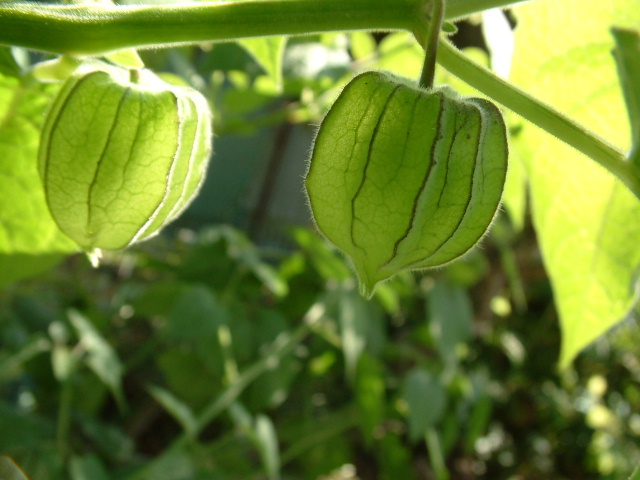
x=208 y=357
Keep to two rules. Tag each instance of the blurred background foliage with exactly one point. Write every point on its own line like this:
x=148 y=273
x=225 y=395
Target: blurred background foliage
x=235 y=345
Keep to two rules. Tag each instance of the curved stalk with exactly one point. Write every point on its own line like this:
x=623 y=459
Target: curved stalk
x=94 y=30
x=99 y=29
x=540 y=114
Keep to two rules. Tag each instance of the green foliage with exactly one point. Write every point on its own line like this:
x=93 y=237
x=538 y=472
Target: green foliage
x=227 y=379
x=29 y=239
x=585 y=219
x=203 y=354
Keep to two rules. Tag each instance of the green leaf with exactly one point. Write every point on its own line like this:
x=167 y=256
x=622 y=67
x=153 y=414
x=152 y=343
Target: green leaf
x=324 y=259
x=267 y=442
x=361 y=44
x=394 y=458
x=268 y=52
x=262 y=433
x=241 y=250
x=8 y=64
x=13 y=365
x=399 y=53
x=186 y=373
x=178 y=410
x=586 y=220
x=101 y=357
x=28 y=431
x=126 y=58
x=450 y=318
x=426 y=398
x=353 y=317
x=55 y=70
x=106 y=438
x=29 y=239
x=194 y=321
x=627 y=55
x=88 y=467
x=175 y=463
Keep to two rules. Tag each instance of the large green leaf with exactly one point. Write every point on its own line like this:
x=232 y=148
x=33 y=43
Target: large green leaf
x=586 y=220
x=29 y=239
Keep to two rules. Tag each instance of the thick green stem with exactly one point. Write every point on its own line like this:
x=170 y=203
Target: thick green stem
x=431 y=44
x=92 y=30
x=540 y=114
x=98 y=29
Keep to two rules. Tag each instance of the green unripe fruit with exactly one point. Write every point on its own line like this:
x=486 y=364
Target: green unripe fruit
x=403 y=178
x=121 y=154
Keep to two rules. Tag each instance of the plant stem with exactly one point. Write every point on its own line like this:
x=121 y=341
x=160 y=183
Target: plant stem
x=92 y=30
x=436 y=455
x=64 y=417
x=540 y=114
x=98 y=29
x=431 y=44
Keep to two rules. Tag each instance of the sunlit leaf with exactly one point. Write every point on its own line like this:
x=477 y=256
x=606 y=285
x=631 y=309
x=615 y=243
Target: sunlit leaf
x=361 y=44
x=586 y=220
x=29 y=239
x=126 y=58
x=399 y=53
x=268 y=52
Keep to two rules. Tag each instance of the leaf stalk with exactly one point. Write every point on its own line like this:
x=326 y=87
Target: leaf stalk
x=540 y=114
x=431 y=44
x=89 y=30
